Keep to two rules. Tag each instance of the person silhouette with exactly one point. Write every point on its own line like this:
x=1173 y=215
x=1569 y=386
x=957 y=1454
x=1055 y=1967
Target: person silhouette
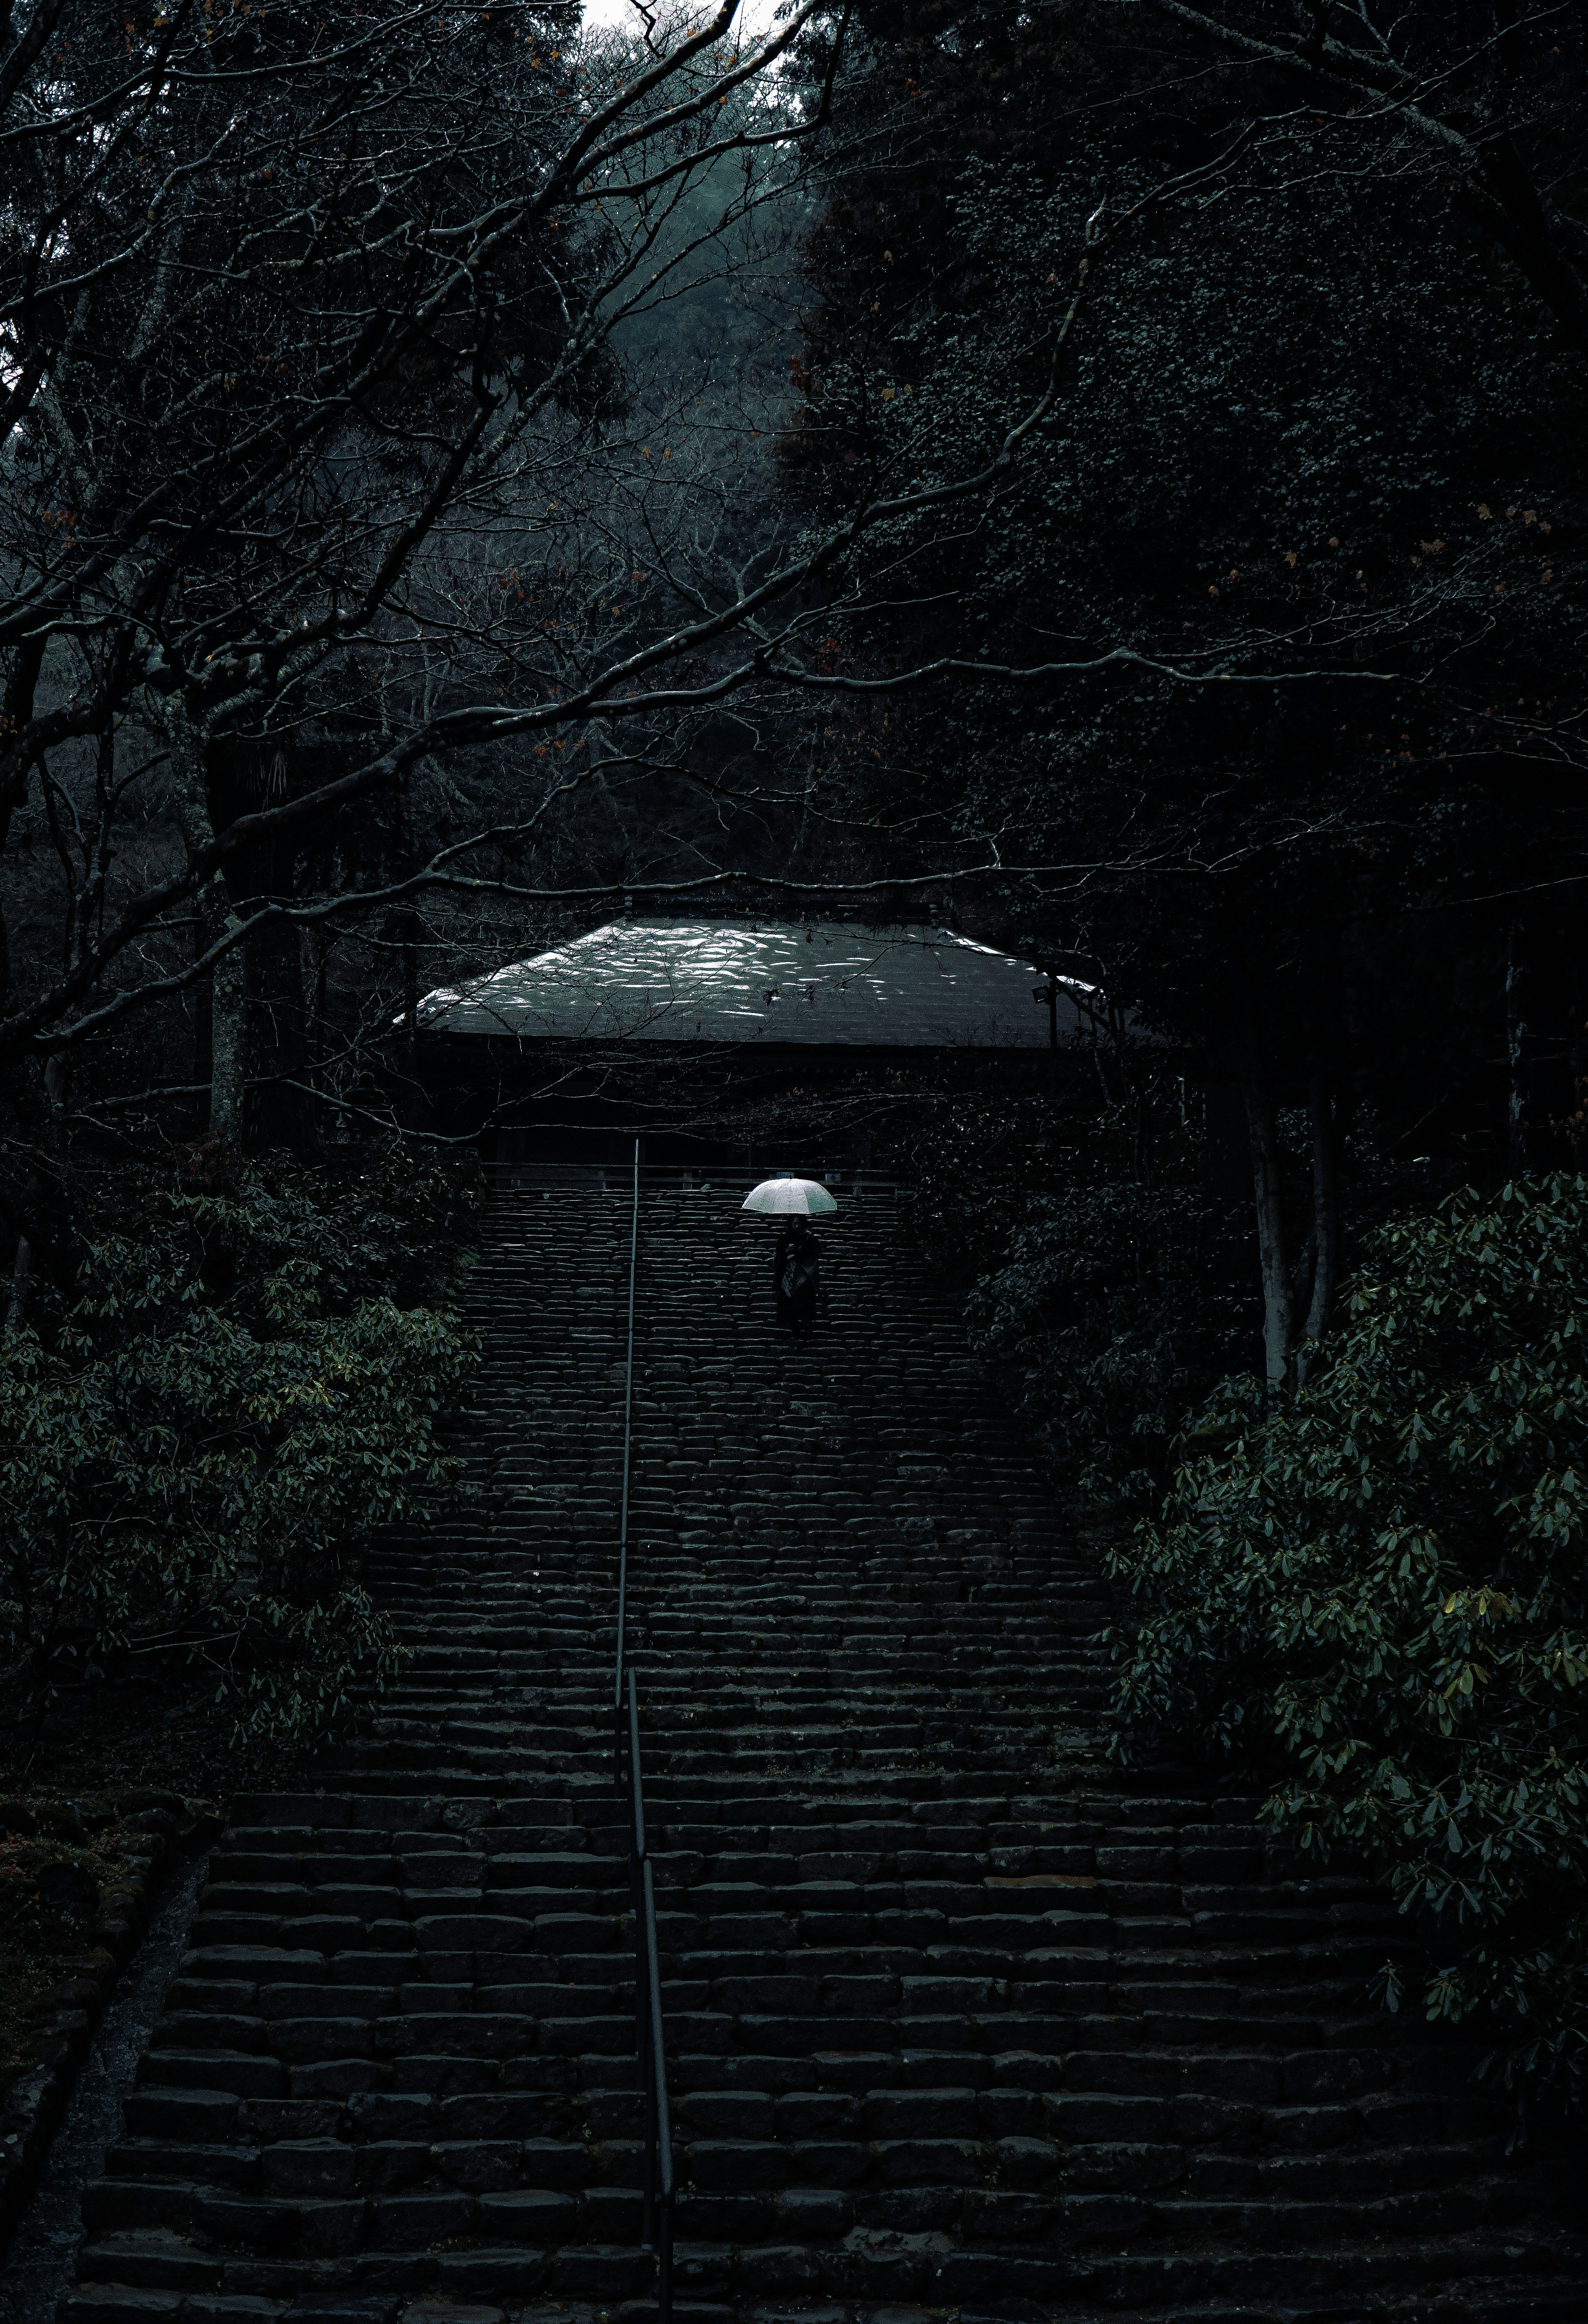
x=797 y=1275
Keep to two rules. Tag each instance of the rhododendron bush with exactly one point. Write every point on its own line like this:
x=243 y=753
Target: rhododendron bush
x=196 y=1445
x=1379 y=1589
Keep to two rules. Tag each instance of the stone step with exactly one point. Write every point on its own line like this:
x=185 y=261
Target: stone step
x=961 y=2018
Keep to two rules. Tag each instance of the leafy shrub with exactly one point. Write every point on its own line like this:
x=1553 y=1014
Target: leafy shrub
x=1381 y=1589
x=193 y=1451
x=974 y=1165
x=1107 y=1301
x=1104 y=1304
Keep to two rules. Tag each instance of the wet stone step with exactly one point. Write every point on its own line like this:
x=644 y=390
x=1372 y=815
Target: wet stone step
x=963 y=2020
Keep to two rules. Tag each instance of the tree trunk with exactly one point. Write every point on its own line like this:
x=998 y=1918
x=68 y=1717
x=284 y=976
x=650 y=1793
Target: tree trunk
x=281 y=1114
x=321 y=946
x=1049 y=991
x=1541 y=1033
x=20 y=1268
x=1576 y=1062
x=413 y=1096
x=1278 y=1301
x=228 y=1035
x=1226 y=1144
x=1519 y=1049
x=202 y=1052
x=227 y=1064
x=57 y=1093
x=47 y=1227
x=411 y=1109
x=1325 y=1220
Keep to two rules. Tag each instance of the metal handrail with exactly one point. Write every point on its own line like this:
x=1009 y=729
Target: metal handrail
x=623 y=1533
x=648 y=2041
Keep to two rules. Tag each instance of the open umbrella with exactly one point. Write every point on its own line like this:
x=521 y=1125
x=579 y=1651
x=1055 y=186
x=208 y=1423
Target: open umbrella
x=789 y=1197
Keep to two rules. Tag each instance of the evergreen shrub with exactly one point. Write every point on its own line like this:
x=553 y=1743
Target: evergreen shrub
x=1381 y=1590
x=195 y=1447
x=1110 y=1314
x=1104 y=1302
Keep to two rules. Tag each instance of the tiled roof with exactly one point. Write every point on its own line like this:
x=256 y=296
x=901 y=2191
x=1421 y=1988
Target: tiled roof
x=822 y=983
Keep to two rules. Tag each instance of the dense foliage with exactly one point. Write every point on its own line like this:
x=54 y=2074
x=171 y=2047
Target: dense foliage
x=1104 y=1304
x=1260 y=686
x=194 y=1447
x=1101 y=1271
x=1382 y=1586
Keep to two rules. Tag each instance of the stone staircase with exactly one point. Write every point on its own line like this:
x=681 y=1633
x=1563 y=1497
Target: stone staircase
x=961 y=2020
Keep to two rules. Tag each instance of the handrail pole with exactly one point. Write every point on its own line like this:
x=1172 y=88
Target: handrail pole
x=623 y=1531
x=662 y=2149
x=641 y=2001
x=636 y=1791
x=636 y=1860
x=649 y=2040
x=658 y=2059
x=647 y=2235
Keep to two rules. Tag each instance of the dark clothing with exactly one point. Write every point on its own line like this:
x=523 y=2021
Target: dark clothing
x=795 y=1279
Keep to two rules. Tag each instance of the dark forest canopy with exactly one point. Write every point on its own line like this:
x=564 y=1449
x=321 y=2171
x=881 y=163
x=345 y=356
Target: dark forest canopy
x=1296 y=559
x=1110 y=469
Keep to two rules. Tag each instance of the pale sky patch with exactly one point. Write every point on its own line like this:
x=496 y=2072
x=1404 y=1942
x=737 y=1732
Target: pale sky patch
x=754 y=18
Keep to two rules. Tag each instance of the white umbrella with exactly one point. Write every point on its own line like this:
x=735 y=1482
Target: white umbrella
x=789 y=1197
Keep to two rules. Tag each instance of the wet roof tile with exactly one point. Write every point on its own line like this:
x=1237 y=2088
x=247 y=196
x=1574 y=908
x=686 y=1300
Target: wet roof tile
x=818 y=983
